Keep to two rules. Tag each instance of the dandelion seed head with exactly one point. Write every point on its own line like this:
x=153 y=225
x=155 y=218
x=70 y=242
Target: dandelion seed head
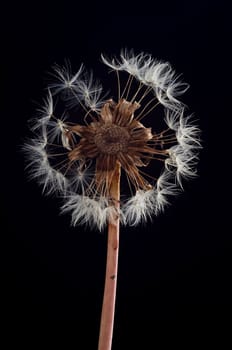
x=75 y=155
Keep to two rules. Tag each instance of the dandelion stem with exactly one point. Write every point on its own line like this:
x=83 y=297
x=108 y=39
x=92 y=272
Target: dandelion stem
x=108 y=307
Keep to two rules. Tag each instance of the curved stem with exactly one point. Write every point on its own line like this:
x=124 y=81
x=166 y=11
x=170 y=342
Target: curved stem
x=108 y=307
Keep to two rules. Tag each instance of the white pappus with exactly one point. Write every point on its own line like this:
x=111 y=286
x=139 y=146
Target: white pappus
x=75 y=156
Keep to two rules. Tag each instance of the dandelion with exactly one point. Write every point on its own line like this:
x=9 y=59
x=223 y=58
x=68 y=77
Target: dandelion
x=95 y=156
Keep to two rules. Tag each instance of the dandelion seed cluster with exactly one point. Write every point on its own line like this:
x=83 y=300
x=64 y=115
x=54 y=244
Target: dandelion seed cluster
x=76 y=158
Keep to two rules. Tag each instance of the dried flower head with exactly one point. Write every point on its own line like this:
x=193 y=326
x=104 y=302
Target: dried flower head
x=75 y=154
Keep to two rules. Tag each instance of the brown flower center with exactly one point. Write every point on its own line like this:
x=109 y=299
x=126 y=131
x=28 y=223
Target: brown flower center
x=112 y=139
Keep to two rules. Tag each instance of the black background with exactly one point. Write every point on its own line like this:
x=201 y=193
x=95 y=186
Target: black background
x=174 y=273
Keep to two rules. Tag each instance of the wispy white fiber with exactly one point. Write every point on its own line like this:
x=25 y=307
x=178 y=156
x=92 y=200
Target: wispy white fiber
x=90 y=92
x=165 y=187
x=35 y=150
x=81 y=178
x=183 y=157
x=160 y=76
x=80 y=87
x=182 y=162
x=172 y=118
x=92 y=212
x=166 y=84
x=53 y=181
x=40 y=169
x=44 y=113
x=188 y=134
x=139 y=207
x=58 y=130
x=64 y=79
x=129 y=62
